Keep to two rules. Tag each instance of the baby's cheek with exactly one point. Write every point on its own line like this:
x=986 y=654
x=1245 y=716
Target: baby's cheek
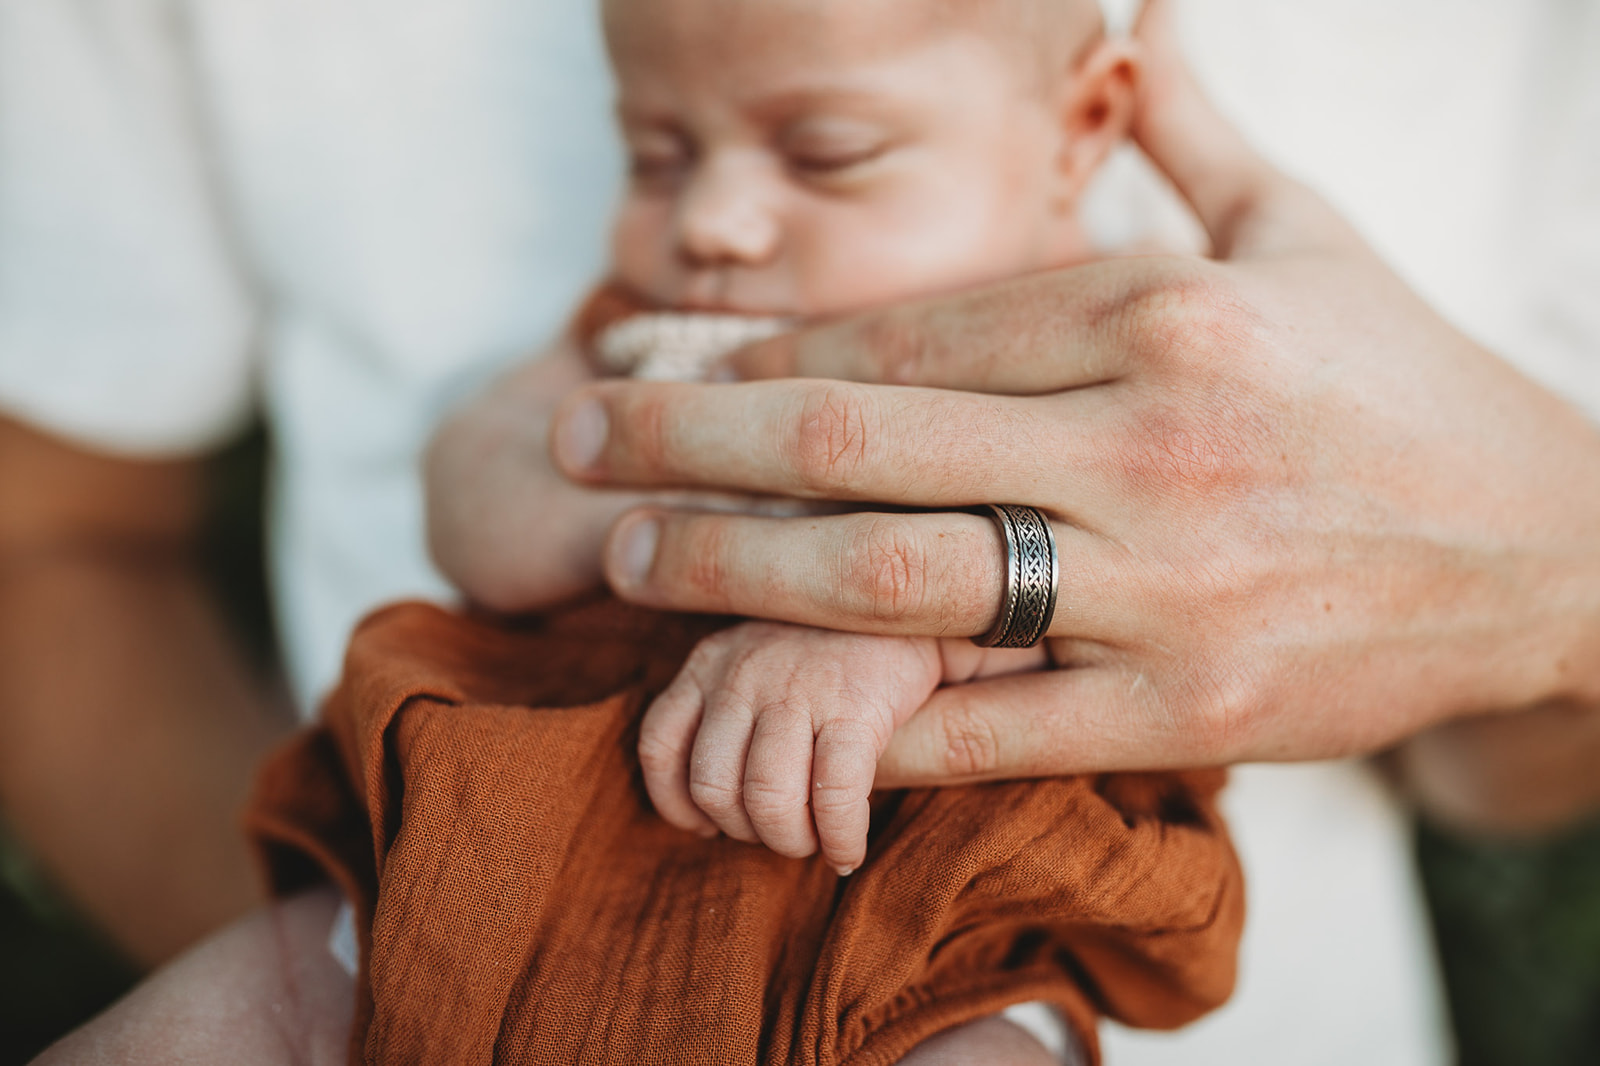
x=850 y=256
x=868 y=257
x=641 y=248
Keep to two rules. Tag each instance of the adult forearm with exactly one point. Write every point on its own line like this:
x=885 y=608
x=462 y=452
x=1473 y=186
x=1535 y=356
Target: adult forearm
x=1532 y=769
x=1522 y=773
x=130 y=726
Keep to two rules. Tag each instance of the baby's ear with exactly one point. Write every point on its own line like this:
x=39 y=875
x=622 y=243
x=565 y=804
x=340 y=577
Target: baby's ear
x=1096 y=111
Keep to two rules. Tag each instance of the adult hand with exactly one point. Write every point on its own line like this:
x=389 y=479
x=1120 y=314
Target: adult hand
x=1299 y=515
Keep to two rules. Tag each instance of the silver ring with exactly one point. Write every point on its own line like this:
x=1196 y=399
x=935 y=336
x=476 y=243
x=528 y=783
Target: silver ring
x=1033 y=578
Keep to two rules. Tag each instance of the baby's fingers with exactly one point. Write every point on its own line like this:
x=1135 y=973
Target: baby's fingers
x=777 y=781
x=716 y=766
x=842 y=771
x=666 y=738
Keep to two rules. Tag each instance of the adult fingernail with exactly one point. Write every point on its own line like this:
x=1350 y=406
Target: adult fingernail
x=581 y=434
x=635 y=552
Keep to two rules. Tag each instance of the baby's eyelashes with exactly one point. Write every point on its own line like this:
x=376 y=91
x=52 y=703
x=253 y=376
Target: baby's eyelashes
x=658 y=157
x=824 y=146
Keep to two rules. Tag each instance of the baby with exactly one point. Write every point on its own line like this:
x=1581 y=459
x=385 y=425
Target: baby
x=473 y=785
x=797 y=159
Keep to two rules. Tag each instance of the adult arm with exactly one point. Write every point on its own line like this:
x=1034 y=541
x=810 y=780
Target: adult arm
x=129 y=721
x=265 y=991
x=1300 y=515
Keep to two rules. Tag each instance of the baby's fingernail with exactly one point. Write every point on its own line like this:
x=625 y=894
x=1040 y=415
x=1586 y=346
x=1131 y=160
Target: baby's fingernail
x=581 y=434
x=635 y=552
x=844 y=871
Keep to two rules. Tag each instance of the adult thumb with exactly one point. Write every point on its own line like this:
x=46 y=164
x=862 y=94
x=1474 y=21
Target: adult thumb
x=1247 y=206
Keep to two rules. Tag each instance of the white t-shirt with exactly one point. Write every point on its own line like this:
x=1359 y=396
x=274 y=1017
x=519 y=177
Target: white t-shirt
x=354 y=212
x=350 y=212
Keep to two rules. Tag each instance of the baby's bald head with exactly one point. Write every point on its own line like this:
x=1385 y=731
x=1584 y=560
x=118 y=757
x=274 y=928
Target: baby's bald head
x=1047 y=36
x=815 y=156
x=1049 y=33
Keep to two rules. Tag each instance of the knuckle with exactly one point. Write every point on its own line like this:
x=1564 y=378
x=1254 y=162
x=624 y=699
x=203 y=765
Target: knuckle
x=847 y=758
x=1193 y=317
x=1223 y=707
x=835 y=799
x=832 y=437
x=760 y=679
x=970 y=744
x=887 y=572
x=705 y=568
x=645 y=422
x=769 y=802
x=898 y=347
x=700 y=674
x=857 y=734
x=658 y=755
x=711 y=795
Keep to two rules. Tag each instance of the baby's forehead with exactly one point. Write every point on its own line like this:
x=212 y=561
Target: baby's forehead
x=846 y=29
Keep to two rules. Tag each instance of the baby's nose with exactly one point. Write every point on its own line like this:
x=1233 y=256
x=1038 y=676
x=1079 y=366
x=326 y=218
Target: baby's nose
x=725 y=219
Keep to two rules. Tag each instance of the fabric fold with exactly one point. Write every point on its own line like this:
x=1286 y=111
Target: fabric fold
x=473 y=788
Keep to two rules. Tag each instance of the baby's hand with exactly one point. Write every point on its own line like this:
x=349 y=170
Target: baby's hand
x=772 y=732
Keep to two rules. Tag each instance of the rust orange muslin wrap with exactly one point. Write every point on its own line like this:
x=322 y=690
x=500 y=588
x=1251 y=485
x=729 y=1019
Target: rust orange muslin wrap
x=473 y=789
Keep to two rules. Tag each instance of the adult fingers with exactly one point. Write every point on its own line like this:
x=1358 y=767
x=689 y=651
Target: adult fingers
x=1246 y=205
x=824 y=440
x=938 y=574
x=666 y=739
x=777 y=781
x=843 y=768
x=1033 y=335
x=1080 y=720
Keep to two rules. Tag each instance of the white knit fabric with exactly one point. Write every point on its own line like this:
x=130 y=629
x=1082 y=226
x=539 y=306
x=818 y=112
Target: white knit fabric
x=680 y=346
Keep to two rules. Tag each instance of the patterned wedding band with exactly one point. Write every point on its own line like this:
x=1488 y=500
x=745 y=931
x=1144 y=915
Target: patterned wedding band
x=1033 y=578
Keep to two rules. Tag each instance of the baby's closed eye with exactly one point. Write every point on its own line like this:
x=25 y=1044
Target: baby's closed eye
x=825 y=148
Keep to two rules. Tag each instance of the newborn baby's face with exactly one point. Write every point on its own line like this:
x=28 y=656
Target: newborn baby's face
x=807 y=157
